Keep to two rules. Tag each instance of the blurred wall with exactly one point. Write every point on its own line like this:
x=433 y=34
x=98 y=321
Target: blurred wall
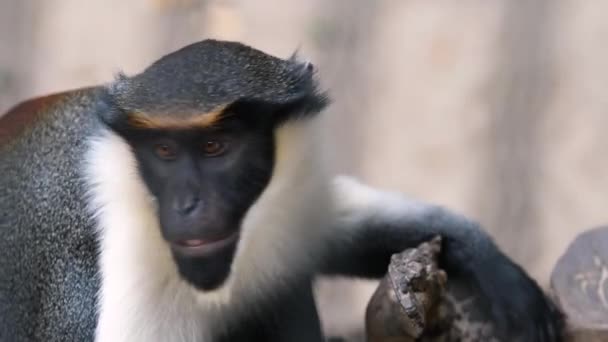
x=494 y=108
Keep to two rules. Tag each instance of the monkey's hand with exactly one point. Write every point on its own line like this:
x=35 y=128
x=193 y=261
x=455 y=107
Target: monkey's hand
x=519 y=309
x=372 y=225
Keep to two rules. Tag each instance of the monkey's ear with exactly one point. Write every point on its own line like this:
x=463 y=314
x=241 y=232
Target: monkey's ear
x=110 y=113
x=308 y=105
x=304 y=97
x=109 y=110
x=307 y=97
x=277 y=112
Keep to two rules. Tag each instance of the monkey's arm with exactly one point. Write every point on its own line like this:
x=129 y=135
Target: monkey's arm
x=374 y=224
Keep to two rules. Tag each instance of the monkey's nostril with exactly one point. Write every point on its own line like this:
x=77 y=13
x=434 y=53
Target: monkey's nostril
x=187 y=205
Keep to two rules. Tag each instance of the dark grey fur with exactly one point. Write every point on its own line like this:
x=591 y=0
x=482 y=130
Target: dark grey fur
x=219 y=73
x=48 y=258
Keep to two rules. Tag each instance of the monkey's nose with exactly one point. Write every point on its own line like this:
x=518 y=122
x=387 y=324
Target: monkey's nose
x=185 y=205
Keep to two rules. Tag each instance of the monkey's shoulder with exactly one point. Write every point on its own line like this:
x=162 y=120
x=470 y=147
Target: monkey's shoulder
x=33 y=111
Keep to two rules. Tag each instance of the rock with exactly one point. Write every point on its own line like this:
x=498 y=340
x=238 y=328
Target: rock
x=579 y=283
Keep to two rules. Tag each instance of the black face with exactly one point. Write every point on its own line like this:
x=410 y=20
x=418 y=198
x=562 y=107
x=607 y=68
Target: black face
x=205 y=180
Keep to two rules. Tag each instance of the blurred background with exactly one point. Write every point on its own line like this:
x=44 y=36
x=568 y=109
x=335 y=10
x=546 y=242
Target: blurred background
x=496 y=109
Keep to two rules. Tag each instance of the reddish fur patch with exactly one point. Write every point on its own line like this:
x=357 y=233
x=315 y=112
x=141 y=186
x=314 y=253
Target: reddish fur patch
x=26 y=113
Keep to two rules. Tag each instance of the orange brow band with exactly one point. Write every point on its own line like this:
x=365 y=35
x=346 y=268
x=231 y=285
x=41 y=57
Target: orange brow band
x=204 y=120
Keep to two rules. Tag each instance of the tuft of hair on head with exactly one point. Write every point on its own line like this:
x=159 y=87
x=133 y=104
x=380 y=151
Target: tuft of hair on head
x=305 y=73
x=210 y=77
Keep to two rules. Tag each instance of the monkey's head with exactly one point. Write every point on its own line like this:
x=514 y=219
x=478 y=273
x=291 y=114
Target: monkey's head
x=201 y=123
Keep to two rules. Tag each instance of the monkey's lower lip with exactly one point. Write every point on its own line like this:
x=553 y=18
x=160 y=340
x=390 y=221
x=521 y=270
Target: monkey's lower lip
x=202 y=247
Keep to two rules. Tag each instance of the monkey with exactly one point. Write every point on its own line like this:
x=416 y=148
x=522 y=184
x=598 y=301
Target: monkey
x=194 y=201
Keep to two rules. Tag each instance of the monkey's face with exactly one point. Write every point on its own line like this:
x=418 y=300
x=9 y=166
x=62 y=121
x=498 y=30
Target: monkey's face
x=201 y=121
x=205 y=180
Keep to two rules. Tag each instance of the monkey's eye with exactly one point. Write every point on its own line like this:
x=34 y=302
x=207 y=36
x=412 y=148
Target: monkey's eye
x=213 y=148
x=165 y=151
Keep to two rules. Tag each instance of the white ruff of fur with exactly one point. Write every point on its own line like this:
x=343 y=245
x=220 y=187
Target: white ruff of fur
x=356 y=202
x=142 y=297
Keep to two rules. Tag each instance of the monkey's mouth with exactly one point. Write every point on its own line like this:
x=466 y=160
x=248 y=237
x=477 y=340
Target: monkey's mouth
x=204 y=247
